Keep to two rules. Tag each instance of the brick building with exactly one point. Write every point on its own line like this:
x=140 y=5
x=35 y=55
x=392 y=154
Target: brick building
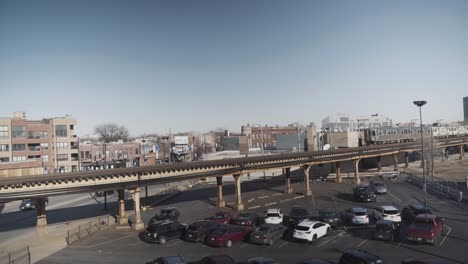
x=117 y=155
x=51 y=142
x=267 y=135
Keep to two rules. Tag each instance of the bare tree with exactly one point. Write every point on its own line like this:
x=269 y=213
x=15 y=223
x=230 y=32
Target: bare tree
x=111 y=132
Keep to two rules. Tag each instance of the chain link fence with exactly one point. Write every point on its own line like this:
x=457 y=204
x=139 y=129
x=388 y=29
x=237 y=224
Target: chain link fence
x=20 y=256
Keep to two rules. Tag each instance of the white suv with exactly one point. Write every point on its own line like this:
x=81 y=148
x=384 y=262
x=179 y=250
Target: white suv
x=311 y=230
x=387 y=212
x=273 y=216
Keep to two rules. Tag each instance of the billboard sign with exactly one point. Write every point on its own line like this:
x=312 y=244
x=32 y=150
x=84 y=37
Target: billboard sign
x=181 y=140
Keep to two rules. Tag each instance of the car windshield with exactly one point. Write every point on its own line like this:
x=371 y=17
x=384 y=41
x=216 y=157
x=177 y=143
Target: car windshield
x=272 y=215
x=360 y=213
x=329 y=214
x=298 y=212
x=391 y=212
x=245 y=216
x=221 y=216
x=263 y=229
x=378 y=184
x=302 y=228
x=424 y=222
x=218 y=232
x=382 y=227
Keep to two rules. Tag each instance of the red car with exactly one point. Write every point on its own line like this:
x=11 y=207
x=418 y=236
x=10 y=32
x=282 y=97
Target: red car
x=246 y=219
x=226 y=236
x=222 y=217
x=426 y=228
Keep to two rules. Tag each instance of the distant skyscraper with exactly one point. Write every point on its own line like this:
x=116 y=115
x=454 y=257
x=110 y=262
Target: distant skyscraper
x=465 y=109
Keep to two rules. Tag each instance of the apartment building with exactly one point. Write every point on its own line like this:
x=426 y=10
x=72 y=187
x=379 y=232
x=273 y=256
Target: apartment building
x=52 y=142
x=267 y=135
x=95 y=156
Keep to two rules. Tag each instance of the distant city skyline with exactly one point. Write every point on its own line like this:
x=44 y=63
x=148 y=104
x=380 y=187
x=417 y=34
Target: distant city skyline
x=199 y=65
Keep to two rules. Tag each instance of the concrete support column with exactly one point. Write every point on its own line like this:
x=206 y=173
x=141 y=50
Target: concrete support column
x=41 y=212
x=444 y=154
x=406 y=159
x=219 y=185
x=395 y=162
x=422 y=160
x=356 y=171
x=338 y=172
x=307 y=191
x=462 y=152
x=379 y=163
x=137 y=224
x=122 y=219
x=239 y=206
x=287 y=174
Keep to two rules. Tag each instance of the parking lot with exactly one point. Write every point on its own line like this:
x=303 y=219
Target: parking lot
x=125 y=246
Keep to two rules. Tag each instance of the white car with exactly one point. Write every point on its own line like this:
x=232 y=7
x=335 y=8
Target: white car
x=311 y=230
x=357 y=216
x=273 y=216
x=387 y=212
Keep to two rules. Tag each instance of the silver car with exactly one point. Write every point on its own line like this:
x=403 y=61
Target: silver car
x=267 y=234
x=379 y=187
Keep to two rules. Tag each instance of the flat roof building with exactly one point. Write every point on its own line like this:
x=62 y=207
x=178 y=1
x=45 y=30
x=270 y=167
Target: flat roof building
x=50 y=141
x=465 y=109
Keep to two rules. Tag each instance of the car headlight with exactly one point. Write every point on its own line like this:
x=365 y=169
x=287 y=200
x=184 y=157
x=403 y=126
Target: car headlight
x=155 y=235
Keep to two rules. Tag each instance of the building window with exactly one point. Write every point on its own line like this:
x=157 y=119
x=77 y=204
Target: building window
x=62 y=145
x=97 y=155
x=4 y=132
x=62 y=157
x=87 y=155
x=4 y=147
x=19 y=147
x=82 y=154
x=45 y=158
x=44 y=145
x=5 y=159
x=19 y=158
x=44 y=134
x=136 y=151
x=61 y=131
x=107 y=153
x=18 y=131
x=31 y=135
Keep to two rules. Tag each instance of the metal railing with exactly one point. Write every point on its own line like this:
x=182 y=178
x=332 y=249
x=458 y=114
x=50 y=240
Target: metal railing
x=20 y=256
x=439 y=189
x=84 y=230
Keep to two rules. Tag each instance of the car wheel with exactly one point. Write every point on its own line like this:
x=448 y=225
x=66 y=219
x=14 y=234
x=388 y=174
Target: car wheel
x=203 y=238
x=435 y=241
x=392 y=238
x=314 y=238
x=162 y=240
x=270 y=243
x=328 y=231
x=229 y=243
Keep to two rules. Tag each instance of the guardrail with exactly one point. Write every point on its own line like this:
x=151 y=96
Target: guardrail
x=84 y=230
x=435 y=188
x=20 y=256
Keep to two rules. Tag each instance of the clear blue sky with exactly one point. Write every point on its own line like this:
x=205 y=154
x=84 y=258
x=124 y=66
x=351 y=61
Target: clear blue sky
x=199 y=65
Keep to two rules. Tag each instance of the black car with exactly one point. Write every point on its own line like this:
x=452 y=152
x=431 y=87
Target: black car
x=260 y=260
x=163 y=231
x=30 y=204
x=330 y=216
x=198 y=231
x=169 y=260
x=169 y=213
x=359 y=256
x=423 y=261
x=219 y=259
x=409 y=213
x=386 y=230
x=364 y=193
x=297 y=214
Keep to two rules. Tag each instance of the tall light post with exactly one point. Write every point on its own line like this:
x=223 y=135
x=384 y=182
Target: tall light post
x=420 y=105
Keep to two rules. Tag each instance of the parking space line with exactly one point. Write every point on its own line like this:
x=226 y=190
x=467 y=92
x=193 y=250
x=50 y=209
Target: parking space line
x=263 y=197
x=285 y=200
x=178 y=242
x=394 y=197
x=244 y=245
x=298 y=197
x=253 y=207
x=105 y=242
x=362 y=243
x=330 y=239
x=136 y=244
x=268 y=204
x=446 y=235
x=251 y=200
x=276 y=194
x=283 y=244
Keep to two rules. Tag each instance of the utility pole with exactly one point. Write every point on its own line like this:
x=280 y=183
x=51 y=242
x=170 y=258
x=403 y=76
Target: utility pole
x=420 y=104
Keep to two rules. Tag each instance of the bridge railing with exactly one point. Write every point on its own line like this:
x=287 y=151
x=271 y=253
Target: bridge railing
x=84 y=230
x=20 y=256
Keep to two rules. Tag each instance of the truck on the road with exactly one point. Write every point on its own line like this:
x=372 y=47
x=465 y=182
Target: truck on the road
x=427 y=228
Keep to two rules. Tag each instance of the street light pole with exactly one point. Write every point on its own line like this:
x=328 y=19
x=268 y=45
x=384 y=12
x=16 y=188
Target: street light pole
x=420 y=104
